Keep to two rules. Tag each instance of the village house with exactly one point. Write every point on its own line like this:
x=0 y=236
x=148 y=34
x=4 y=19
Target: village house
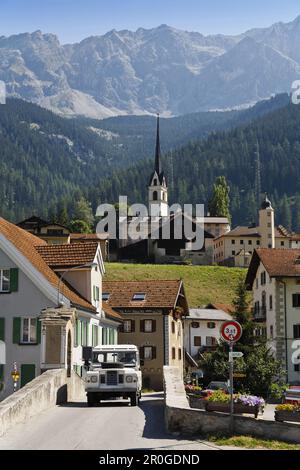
x=50 y=304
x=153 y=313
x=202 y=329
x=235 y=248
x=56 y=234
x=274 y=278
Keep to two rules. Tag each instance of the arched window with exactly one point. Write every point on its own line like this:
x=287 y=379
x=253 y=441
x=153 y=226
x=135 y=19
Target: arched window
x=154 y=195
x=155 y=182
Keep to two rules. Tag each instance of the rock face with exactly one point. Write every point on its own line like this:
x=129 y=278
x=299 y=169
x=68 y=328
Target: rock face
x=161 y=69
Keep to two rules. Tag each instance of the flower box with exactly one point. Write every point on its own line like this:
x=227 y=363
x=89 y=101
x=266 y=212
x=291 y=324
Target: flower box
x=238 y=408
x=287 y=416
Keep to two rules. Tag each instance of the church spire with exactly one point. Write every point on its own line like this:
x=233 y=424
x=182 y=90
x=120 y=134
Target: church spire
x=158 y=167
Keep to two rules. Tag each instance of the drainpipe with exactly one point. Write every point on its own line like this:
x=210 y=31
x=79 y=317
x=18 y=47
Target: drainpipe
x=285 y=330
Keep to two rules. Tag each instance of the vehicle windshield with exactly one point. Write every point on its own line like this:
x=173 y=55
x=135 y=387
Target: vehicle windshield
x=127 y=358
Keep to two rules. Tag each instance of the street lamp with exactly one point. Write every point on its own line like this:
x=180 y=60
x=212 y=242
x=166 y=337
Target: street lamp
x=87 y=265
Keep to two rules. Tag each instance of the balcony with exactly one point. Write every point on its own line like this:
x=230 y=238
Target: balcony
x=260 y=313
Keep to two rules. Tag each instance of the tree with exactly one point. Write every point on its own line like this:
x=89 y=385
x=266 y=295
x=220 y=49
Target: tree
x=219 y=203
x=285 y=213
x=83 y=215
x=79 y=226
x=243 y=315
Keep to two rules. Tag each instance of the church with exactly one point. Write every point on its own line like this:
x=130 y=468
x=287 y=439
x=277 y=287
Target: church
x=153 y=245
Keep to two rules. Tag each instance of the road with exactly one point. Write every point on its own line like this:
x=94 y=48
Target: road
x=109 y=426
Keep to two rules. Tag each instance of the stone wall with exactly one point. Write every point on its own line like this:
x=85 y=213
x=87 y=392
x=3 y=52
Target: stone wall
x=49 y=389
x=180 y=418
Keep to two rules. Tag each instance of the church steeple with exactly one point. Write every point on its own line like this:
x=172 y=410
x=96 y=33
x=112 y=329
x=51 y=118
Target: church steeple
x=158 y=167
x=158 y=190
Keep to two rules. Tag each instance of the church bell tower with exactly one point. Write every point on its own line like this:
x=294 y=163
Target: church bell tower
x=158 y=189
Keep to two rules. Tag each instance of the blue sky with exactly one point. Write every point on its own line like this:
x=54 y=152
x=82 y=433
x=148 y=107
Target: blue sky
x=73 y=20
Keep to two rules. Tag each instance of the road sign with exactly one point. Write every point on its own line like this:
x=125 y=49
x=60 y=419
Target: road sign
x=235 y=354
x=231 y=331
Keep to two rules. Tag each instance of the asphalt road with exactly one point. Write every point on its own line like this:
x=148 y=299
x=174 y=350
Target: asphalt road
x=109 y=426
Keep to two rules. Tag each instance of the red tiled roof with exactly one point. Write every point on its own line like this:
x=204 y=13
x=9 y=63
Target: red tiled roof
x=28 y=245
x=159 y=294
x=68 y=255
x=279 y=262
x=89 y=236
x=110 y=312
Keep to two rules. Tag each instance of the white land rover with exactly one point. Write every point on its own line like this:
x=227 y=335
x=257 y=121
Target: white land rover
x=112 y=371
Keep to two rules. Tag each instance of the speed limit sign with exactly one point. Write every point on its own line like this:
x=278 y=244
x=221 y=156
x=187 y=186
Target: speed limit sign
x=231 y=331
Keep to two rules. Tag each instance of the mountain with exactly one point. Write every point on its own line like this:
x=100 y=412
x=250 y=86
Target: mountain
x=47 y=160
x=161 y=69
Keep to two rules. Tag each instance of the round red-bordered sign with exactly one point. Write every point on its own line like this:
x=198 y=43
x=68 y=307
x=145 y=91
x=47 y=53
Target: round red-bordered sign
x=231 y=331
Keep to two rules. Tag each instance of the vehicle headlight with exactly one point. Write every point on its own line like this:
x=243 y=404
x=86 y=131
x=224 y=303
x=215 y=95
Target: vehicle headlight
x=94 y=379
x=129 y=378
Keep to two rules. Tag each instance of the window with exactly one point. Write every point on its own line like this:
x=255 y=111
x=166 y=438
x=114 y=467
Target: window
x=195 y=324
x=154 y=195
x=173 y=327
x=95 y=340
x=139 y=296
x=179 y=354
x=84 y=333
x=256 y=283
x=96 y=293
x=4 y=280
x=233 y=252
x=155 y=182
x=173 y=354
x=297 y=367
x=127 y=326
x=29 y=330
x=233 y=242
x=148 y=326
x=271 y=331
x=105 y=296
x=148 y=352
x=211 y=325
x=296 y=300
x=257 y=242
x=197 y=340
x=296 y=329
x=270 y=302
x=263 y=278
x=241 y=242
x=211 y=341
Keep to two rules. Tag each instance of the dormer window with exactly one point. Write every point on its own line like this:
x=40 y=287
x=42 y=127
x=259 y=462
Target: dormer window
x=139 y=296
x=105 y=296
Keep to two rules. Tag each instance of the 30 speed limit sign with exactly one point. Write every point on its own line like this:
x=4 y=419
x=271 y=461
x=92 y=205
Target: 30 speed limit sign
x=231 y=331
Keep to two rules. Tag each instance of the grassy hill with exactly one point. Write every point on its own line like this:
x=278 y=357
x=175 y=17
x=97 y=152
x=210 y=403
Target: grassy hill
x=203 y=284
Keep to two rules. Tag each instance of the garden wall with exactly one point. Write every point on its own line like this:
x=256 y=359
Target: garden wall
x=180 y=418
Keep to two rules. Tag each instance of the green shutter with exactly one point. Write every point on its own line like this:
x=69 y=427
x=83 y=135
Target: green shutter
x=2 y=329
x=1 y=372
x=38 y=331
x=14 y=279
x=27 y=373
x=16 y=330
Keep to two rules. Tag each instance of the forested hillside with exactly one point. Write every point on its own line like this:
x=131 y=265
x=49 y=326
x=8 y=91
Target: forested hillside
x=47 y=162
x=192 y=170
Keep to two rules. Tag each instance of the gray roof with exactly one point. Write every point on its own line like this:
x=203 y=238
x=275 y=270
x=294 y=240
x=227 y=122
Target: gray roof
x=208 y=314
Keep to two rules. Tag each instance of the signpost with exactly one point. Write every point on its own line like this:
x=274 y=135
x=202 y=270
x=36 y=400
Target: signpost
x=231 y=332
